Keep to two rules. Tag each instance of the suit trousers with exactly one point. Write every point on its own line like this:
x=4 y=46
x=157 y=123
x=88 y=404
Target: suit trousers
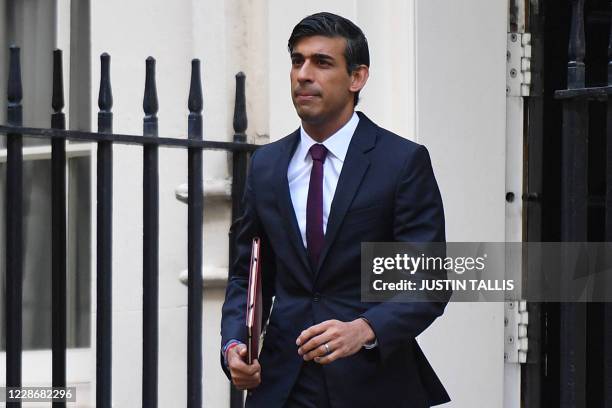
x=310 y=388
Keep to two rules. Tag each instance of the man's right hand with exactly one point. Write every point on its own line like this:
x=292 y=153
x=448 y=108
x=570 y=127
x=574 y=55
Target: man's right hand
x=244 y=376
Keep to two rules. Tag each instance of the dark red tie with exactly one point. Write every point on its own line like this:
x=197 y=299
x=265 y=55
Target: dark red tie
x=314 y=205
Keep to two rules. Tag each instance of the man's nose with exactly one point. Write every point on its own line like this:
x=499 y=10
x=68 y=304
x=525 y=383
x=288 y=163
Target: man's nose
x=304 y=73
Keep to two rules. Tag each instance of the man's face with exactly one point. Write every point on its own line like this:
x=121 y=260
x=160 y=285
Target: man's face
x=320 y=81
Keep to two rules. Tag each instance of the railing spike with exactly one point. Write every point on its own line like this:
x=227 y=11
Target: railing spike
x=104 y=244
x=14 y=89
x=105 y=96
x=150 y=244
x=240 y=114
x=149 y=103
x=576 y=48
x=195 y=103
x=58 y=231
x=57 y=100
x=195 y=214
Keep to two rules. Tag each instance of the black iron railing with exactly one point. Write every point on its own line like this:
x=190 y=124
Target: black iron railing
x=58 y=228
x=14 y=227
x=574 y=212
x=105 y=139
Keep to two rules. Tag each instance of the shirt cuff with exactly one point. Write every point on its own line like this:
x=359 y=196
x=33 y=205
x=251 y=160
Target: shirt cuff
x=227 y=345
x=373 y=344
x=369 y=346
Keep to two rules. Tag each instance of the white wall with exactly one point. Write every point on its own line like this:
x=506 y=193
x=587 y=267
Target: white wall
x=461 y=119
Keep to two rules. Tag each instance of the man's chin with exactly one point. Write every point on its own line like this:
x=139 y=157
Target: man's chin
x=308 y=115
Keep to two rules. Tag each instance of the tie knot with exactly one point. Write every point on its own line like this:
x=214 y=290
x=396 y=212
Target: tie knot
x=318 y=152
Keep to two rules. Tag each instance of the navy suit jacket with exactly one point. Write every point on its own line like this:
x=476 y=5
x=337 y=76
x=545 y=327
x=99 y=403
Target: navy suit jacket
x=386 y=192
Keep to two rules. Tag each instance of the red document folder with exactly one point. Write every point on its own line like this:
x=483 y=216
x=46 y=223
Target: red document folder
x=253 y=314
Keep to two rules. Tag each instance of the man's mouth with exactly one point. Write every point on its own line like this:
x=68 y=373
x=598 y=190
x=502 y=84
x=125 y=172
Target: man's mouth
x=305 y=96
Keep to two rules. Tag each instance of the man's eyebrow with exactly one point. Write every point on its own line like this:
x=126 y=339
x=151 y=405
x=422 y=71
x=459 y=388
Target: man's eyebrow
x=318 y=56
x=323 y=56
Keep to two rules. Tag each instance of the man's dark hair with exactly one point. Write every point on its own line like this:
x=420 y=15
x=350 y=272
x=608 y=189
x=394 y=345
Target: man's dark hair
x=332 y=25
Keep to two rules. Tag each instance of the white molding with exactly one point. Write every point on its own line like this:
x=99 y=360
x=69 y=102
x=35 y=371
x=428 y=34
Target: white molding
x=35 y=362
x=44 y=152
x=213 y=277
x=213 y=188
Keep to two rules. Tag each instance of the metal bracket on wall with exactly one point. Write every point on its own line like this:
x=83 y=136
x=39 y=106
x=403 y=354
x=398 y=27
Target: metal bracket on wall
x=518 y=64
x=516 y=319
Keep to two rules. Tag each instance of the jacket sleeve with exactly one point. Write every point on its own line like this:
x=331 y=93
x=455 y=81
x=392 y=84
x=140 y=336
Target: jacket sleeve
x=418 y=217
x=248 y=226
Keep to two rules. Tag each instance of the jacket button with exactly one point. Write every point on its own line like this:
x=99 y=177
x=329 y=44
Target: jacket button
x=316 y=297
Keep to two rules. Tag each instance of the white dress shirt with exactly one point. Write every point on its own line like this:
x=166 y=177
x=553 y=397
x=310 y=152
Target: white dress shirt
x=298 y=175
x=298 y=172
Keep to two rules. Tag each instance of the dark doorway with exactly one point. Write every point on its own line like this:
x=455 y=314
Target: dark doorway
x=549 y=24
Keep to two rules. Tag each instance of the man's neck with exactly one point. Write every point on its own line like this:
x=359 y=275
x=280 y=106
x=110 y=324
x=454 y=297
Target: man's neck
x=322 y=131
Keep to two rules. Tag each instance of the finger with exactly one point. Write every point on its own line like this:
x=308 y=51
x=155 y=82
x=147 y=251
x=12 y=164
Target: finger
x=245 y=372
x=242 y=379
x=315 y=342
x=248 y=369
x=319 y=351
x=255 y=368
x=333 y=329
x=312 y=331
x=238 y=366
x=316 y=352
x=247 y=382
x=237 y=363
x=329 y=358
x=336 y=348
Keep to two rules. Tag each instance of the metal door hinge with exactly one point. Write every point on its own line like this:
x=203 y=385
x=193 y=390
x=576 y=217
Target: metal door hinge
x=518 y=64
x=516 y=319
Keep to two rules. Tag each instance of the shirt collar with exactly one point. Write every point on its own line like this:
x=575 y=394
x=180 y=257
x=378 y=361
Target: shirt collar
x=337 y=144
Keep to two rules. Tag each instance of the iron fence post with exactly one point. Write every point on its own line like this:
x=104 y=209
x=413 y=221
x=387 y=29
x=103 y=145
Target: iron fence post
x=195 y=213
x=104 y=242
x=58 y=245
x=239 y=173
x=14 y=228
x=150 y=261
x=574 y=195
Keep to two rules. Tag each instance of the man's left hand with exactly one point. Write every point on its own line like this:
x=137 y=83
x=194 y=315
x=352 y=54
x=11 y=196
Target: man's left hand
x=343 y=339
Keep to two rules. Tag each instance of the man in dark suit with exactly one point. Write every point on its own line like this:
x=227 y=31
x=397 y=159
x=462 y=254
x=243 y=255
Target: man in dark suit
x=313 y=197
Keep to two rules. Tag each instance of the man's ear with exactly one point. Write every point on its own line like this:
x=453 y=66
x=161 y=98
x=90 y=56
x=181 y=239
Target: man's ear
x=359 y=77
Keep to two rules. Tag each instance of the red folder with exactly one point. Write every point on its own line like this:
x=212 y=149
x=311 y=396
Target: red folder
x=253 y=314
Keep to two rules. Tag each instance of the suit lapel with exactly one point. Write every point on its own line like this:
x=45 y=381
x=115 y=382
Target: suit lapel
x=284 y=198
x=355 y=165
